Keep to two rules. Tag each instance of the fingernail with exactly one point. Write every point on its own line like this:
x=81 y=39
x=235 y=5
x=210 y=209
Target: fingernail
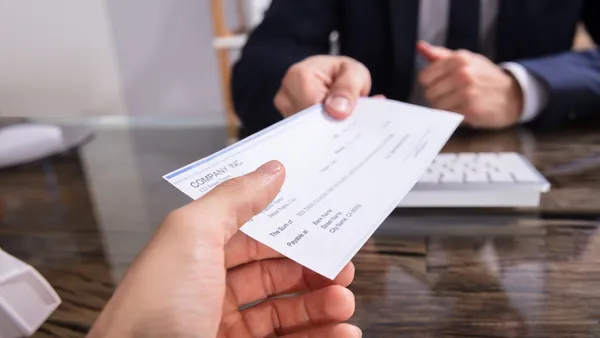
x=339 y=103
x=270 y=168
x=358 y=331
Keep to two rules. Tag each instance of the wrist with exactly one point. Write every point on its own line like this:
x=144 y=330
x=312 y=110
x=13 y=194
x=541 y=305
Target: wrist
x=106 y=328
x=534 y=92
x=514 y=97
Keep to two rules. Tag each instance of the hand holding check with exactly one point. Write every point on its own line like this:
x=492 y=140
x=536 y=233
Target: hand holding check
x=344 y=177
x=198 y=271
x=200 y=275
x=336 y=81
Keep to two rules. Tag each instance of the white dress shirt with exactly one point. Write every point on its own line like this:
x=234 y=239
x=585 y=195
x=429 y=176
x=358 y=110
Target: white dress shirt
x=433 y=26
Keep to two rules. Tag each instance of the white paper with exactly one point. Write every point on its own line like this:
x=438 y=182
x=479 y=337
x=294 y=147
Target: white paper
x=343 y=177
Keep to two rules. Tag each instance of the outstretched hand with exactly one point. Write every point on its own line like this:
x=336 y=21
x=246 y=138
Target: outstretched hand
x=198 y=275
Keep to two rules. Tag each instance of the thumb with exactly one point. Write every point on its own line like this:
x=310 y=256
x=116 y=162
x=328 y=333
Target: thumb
x=234 y=202
x=351 y=81
x=432 y=53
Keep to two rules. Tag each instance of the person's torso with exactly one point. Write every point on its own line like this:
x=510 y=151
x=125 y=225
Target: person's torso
x=382 y=34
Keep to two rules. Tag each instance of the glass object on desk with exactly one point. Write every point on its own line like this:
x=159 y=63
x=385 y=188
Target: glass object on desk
x=27 y=142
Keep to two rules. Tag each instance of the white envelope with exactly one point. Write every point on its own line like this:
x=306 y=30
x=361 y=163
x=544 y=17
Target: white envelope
x=343 y=177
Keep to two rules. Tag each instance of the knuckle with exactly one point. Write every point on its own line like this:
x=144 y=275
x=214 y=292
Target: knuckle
x=253 y=249
x=463 y=53
x=465 y=76
x=471 y=94
x=278 y=101
x=289 y=78
x=294 y=70
x=349 y=61
x=314 y=58
x=426 y=77
x=356 y=66
x=429 y=95
x=466 y=97
x=185 y=219
x=366 y=77
x=300 y=77
x=297 y=74
x=471 y=109
x=236 y=185
x=463 y=57
x=363 y=69
x=241 y=191
x=267 y=278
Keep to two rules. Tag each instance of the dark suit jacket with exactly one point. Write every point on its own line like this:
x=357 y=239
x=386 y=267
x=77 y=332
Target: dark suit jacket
x=382 y=34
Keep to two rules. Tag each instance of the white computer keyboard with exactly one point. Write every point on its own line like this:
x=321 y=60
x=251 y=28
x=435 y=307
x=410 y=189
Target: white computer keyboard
x=478 y=180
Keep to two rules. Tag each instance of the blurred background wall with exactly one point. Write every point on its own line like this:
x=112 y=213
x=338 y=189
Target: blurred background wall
x=106 y=57
x=57 y=57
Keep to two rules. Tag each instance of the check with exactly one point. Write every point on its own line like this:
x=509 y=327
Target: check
x=343 y=177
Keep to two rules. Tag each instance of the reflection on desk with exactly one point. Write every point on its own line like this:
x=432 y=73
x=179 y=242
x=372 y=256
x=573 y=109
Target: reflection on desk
x=81 y=218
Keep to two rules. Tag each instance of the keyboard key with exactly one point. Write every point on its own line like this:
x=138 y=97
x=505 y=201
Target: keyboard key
x=451 y=169
x=526 y=176
x=520 y=170
x=452 y=178
x=480 y=168
x=489 y=159
x=467 y=157
x=512 y=160
x=476 y=177
x=435 y=170
x=445 y=158
x=501 y=177
x=514 y=157
x=429 y=178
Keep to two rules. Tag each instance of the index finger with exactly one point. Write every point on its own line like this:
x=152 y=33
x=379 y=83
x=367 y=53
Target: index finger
x=260 y=280
x=287 y=315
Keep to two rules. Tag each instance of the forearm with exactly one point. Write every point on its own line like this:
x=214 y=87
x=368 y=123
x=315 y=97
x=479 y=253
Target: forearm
x=255 y=81
x=572 y=80
x=290 y=32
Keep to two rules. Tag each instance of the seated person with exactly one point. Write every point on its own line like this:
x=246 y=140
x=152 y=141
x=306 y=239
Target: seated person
x=499 y=63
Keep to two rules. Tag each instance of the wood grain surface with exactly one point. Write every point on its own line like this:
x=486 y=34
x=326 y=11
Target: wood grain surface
x=81 y=217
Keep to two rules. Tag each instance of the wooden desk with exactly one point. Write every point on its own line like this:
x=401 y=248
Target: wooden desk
x=81 y=218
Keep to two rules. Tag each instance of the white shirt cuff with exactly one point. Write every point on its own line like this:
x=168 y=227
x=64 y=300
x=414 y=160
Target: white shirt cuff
x=535 y=95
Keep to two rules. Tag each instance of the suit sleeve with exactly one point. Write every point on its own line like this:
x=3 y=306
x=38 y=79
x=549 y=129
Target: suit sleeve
x=291 y=31
x=572 y=78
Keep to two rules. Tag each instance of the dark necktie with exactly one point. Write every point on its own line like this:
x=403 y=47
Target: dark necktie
x=463 y=25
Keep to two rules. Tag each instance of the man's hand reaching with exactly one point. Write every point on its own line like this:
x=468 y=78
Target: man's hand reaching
x=336 y=81
x=472 y=85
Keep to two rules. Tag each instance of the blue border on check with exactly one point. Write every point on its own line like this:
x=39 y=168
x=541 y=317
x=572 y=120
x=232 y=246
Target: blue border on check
x=242 y=142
